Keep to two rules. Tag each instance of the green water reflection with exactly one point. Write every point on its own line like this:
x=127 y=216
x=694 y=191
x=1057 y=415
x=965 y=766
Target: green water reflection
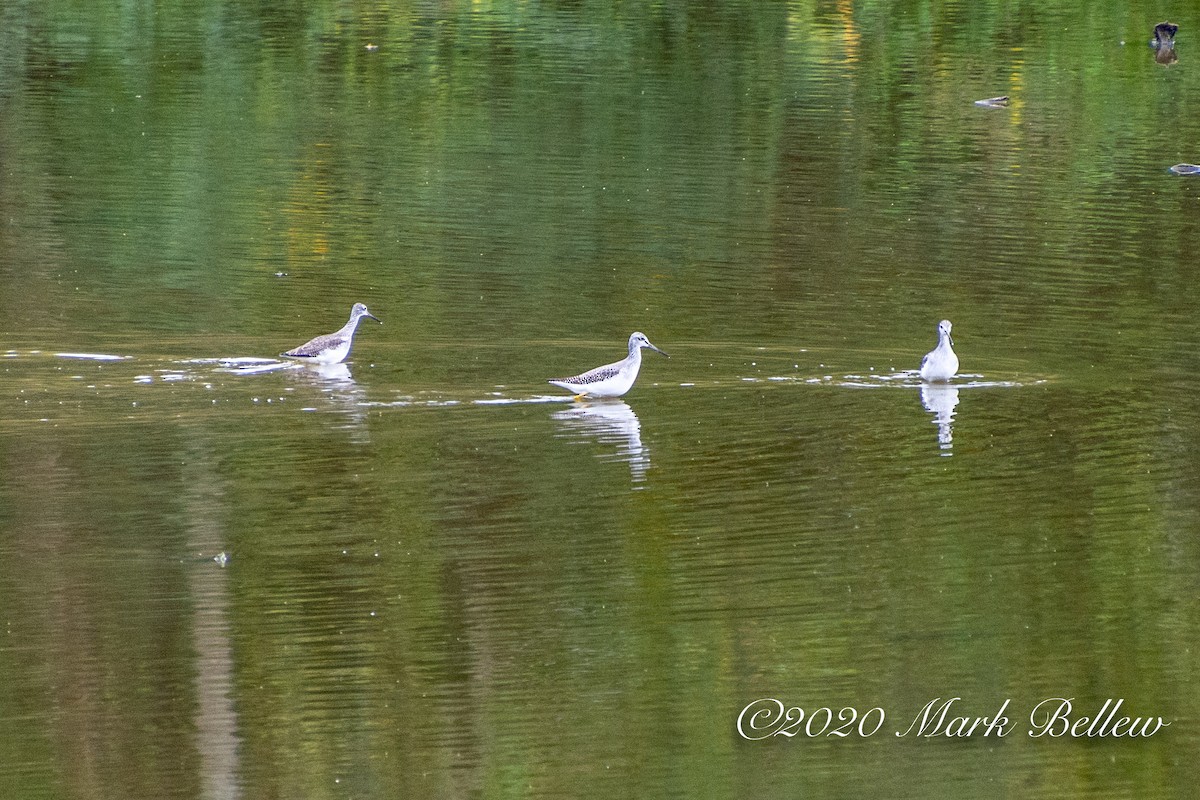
x=438 y=577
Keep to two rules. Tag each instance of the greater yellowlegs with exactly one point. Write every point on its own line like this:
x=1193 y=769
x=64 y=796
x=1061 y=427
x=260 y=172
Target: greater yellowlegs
x=611 y=380
x=332 y=348
x=940 y=363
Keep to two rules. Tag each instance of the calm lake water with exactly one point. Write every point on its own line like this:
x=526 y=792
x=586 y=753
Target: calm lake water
x=429 y=574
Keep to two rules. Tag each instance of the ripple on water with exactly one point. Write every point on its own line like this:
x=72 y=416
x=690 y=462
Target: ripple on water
x=452 y=402
x=905 y=379
x=93 y=356
x=246 y=365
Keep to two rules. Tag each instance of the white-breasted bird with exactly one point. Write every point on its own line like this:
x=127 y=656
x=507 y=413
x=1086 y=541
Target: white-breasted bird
x=940 y=363
x=610 y=380
x=332 y=348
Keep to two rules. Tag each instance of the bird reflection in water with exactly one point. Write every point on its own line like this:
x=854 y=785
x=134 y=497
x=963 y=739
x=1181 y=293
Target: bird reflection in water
x=608 y=422
x=340 y=393
x=940 y=401
x=330 y=374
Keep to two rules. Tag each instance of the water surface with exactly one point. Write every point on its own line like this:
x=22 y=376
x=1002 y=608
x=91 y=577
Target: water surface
x=426 y=572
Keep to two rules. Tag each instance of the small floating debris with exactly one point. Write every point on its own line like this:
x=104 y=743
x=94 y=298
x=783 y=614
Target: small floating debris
x=92 y=356
x=1185 y=169
x=993 y=102
x=221 y=558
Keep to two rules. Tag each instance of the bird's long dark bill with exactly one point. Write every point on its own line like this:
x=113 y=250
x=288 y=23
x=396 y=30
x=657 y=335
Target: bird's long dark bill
x=655 y=349
x=372 y=316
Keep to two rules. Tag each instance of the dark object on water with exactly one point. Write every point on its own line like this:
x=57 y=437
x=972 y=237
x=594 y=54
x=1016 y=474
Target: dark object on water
x=993 y=102
x=1185 y=169
x=1164 y=34
x=1164 y=43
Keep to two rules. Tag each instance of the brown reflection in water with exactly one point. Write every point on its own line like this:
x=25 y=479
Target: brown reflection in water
x=216 y=717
